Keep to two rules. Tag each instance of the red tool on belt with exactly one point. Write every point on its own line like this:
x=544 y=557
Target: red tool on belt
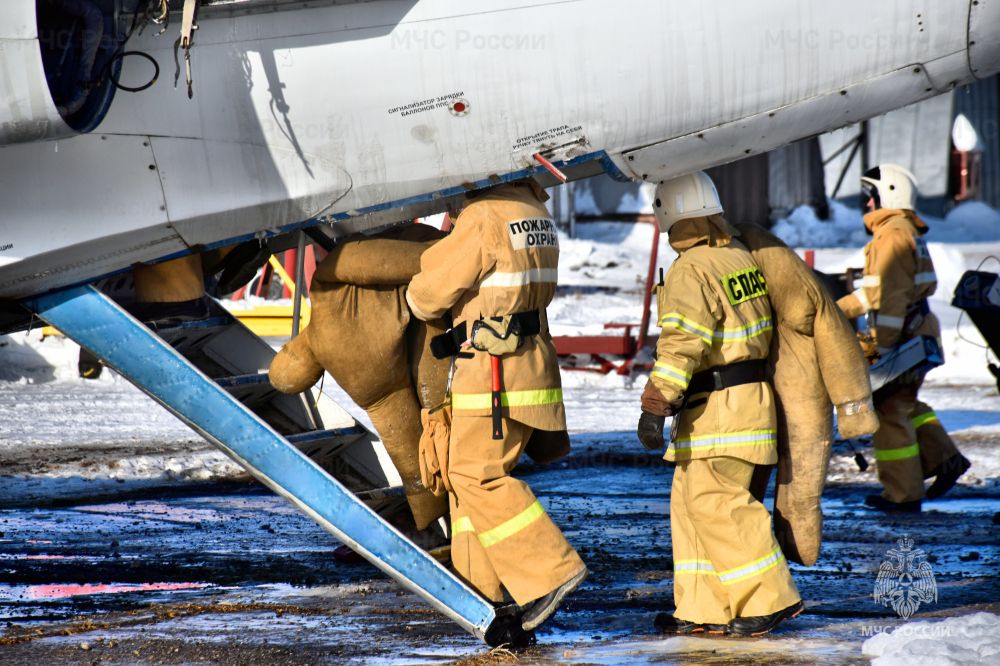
x=496 y=407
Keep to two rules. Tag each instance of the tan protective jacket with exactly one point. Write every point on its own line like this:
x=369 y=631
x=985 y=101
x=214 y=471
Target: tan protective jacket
x=501 y=258
x=714 y=311
x=898 y=274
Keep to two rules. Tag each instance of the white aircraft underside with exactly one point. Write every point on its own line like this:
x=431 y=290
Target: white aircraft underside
x=362 y=114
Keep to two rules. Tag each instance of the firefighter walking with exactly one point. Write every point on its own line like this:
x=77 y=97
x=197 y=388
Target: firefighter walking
x=911 y=445
x=730 y=575
x=496 y=273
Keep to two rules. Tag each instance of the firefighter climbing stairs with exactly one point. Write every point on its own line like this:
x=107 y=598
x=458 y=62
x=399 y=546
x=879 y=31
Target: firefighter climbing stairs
x=211 y=373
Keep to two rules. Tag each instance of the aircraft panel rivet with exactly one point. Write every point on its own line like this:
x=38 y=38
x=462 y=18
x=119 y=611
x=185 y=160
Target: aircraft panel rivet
x=152 y=167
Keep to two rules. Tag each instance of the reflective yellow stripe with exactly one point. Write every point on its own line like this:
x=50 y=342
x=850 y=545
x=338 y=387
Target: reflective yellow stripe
x=694 y=568
x=727 y=439
x=532 y=398
x=512 y=526
x=924 y=419
x=744 y=332
x=463 y=524
x=911 y=451
x=672 y=374
x=682 y=323
x=888 y=321
x=752 y=569
x=521 y=278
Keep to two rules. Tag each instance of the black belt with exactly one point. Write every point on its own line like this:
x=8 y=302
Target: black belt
x=727 y=376
x=449 y=343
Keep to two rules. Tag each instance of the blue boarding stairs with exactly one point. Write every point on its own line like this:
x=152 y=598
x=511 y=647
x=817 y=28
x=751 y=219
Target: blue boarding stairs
x=310 y=451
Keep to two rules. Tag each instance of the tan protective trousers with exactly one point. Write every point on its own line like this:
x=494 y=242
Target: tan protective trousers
x=910 y=445
x=727 y=563
x=502 y=539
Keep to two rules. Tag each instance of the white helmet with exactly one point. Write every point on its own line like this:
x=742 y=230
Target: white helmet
x=693 y=195
x=891 y=186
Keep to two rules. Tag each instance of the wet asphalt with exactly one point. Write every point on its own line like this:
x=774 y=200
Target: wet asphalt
x=233 y=574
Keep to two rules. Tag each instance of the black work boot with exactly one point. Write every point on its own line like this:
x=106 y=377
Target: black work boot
x=506 y=628
x=880 y=503
x=947 y=475
x=539 y=610
x=669 y=624
x=762 y=624
x=88 y=366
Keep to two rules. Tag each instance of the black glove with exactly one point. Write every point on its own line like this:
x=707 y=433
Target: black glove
x=650 y=430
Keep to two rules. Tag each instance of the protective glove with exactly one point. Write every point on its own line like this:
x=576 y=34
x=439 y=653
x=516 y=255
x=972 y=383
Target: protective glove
x=869 y=346
x=650 y=430
x=654 y=402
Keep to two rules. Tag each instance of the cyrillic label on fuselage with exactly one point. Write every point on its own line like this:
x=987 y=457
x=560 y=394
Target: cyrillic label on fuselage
x=532 y=232
x=744 y=285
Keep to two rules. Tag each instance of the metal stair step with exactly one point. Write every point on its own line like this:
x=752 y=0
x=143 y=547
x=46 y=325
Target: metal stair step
x=251 y=390
x=381 y=493
x=189 y=337
x=323 y=445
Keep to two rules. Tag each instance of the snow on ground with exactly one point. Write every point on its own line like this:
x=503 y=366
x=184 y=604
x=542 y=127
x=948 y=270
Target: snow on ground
x=957 y=641
x=602 y=276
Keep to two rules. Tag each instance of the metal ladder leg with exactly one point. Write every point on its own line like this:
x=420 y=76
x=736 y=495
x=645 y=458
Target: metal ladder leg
x=97 y=323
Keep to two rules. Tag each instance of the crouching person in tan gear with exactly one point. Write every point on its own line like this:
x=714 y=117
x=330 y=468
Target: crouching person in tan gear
x=911 y=445
x=496 y=273
x=730 y=575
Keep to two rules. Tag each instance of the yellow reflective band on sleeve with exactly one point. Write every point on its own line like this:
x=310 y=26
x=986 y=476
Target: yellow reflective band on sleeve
x=728 y=440
x=693 y=568
x=924 y=419
x=911 y=451
x=463 y=524
x=672 y=374
x=752 y=569
x=744 y=332
x=682 y=323
x=889 y=321
x=534 y=398
x=512 y=526
x=871 y=281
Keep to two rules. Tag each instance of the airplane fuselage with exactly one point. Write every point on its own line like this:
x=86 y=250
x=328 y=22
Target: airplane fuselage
x=362 y=114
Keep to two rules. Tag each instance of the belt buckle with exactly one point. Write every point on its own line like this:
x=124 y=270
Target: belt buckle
x=717 y=381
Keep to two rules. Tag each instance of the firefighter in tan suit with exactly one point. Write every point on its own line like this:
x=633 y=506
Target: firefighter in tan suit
x=911 y=445
x=730 y=575
x=496 y=273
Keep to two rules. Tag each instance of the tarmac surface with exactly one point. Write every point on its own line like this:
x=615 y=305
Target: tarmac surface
x=232 y=574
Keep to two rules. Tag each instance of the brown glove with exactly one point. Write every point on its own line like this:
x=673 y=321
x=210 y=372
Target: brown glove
x=653 y=402
x=869 y=346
